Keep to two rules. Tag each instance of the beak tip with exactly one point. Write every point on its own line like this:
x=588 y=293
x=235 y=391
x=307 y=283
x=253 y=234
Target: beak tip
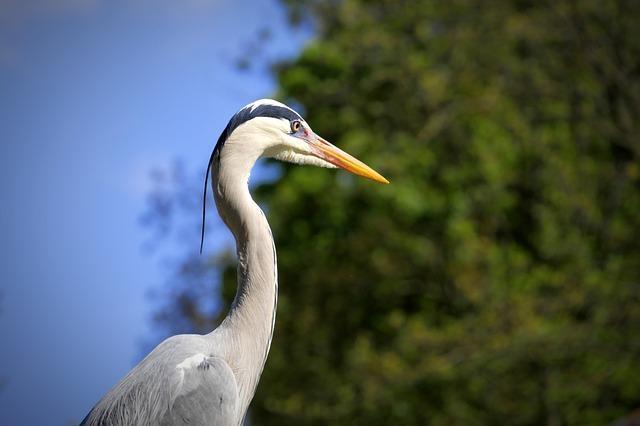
x=381 y=179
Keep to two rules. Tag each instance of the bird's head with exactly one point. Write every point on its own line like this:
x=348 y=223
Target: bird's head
x=268 y=128
x=271 y=129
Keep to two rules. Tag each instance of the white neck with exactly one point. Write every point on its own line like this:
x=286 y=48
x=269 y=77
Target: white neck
x=249 y=324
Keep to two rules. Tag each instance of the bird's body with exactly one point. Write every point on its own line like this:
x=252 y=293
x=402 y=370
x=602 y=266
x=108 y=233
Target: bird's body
x=178 y=375
x=210 y=379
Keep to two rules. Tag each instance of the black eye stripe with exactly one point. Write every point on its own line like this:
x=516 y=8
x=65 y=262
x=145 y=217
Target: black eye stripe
x=247 y=113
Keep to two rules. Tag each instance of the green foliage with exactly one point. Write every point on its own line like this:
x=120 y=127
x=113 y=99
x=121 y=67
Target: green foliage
x=497 y=279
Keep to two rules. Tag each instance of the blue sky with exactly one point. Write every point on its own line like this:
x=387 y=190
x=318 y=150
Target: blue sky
x=95 y=94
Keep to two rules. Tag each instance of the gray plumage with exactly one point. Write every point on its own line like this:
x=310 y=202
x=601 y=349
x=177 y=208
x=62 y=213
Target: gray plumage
x=157 y=391
x=210 y=379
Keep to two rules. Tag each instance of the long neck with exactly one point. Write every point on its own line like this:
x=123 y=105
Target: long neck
x=249 y=324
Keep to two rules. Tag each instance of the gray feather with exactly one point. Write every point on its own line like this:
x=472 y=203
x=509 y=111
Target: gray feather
x=157 y=391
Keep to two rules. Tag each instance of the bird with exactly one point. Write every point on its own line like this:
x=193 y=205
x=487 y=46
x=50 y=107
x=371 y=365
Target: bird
x=210 y=379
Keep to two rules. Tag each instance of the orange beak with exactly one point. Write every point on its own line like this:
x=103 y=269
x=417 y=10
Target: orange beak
x=334 y=155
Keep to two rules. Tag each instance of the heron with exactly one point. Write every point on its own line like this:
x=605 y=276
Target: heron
x=210 y=379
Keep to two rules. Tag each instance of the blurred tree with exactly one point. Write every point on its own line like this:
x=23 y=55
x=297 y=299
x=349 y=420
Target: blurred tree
x=497 y=279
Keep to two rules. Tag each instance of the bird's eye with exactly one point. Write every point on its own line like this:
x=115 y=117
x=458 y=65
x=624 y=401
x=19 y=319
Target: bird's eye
x=295 y=126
